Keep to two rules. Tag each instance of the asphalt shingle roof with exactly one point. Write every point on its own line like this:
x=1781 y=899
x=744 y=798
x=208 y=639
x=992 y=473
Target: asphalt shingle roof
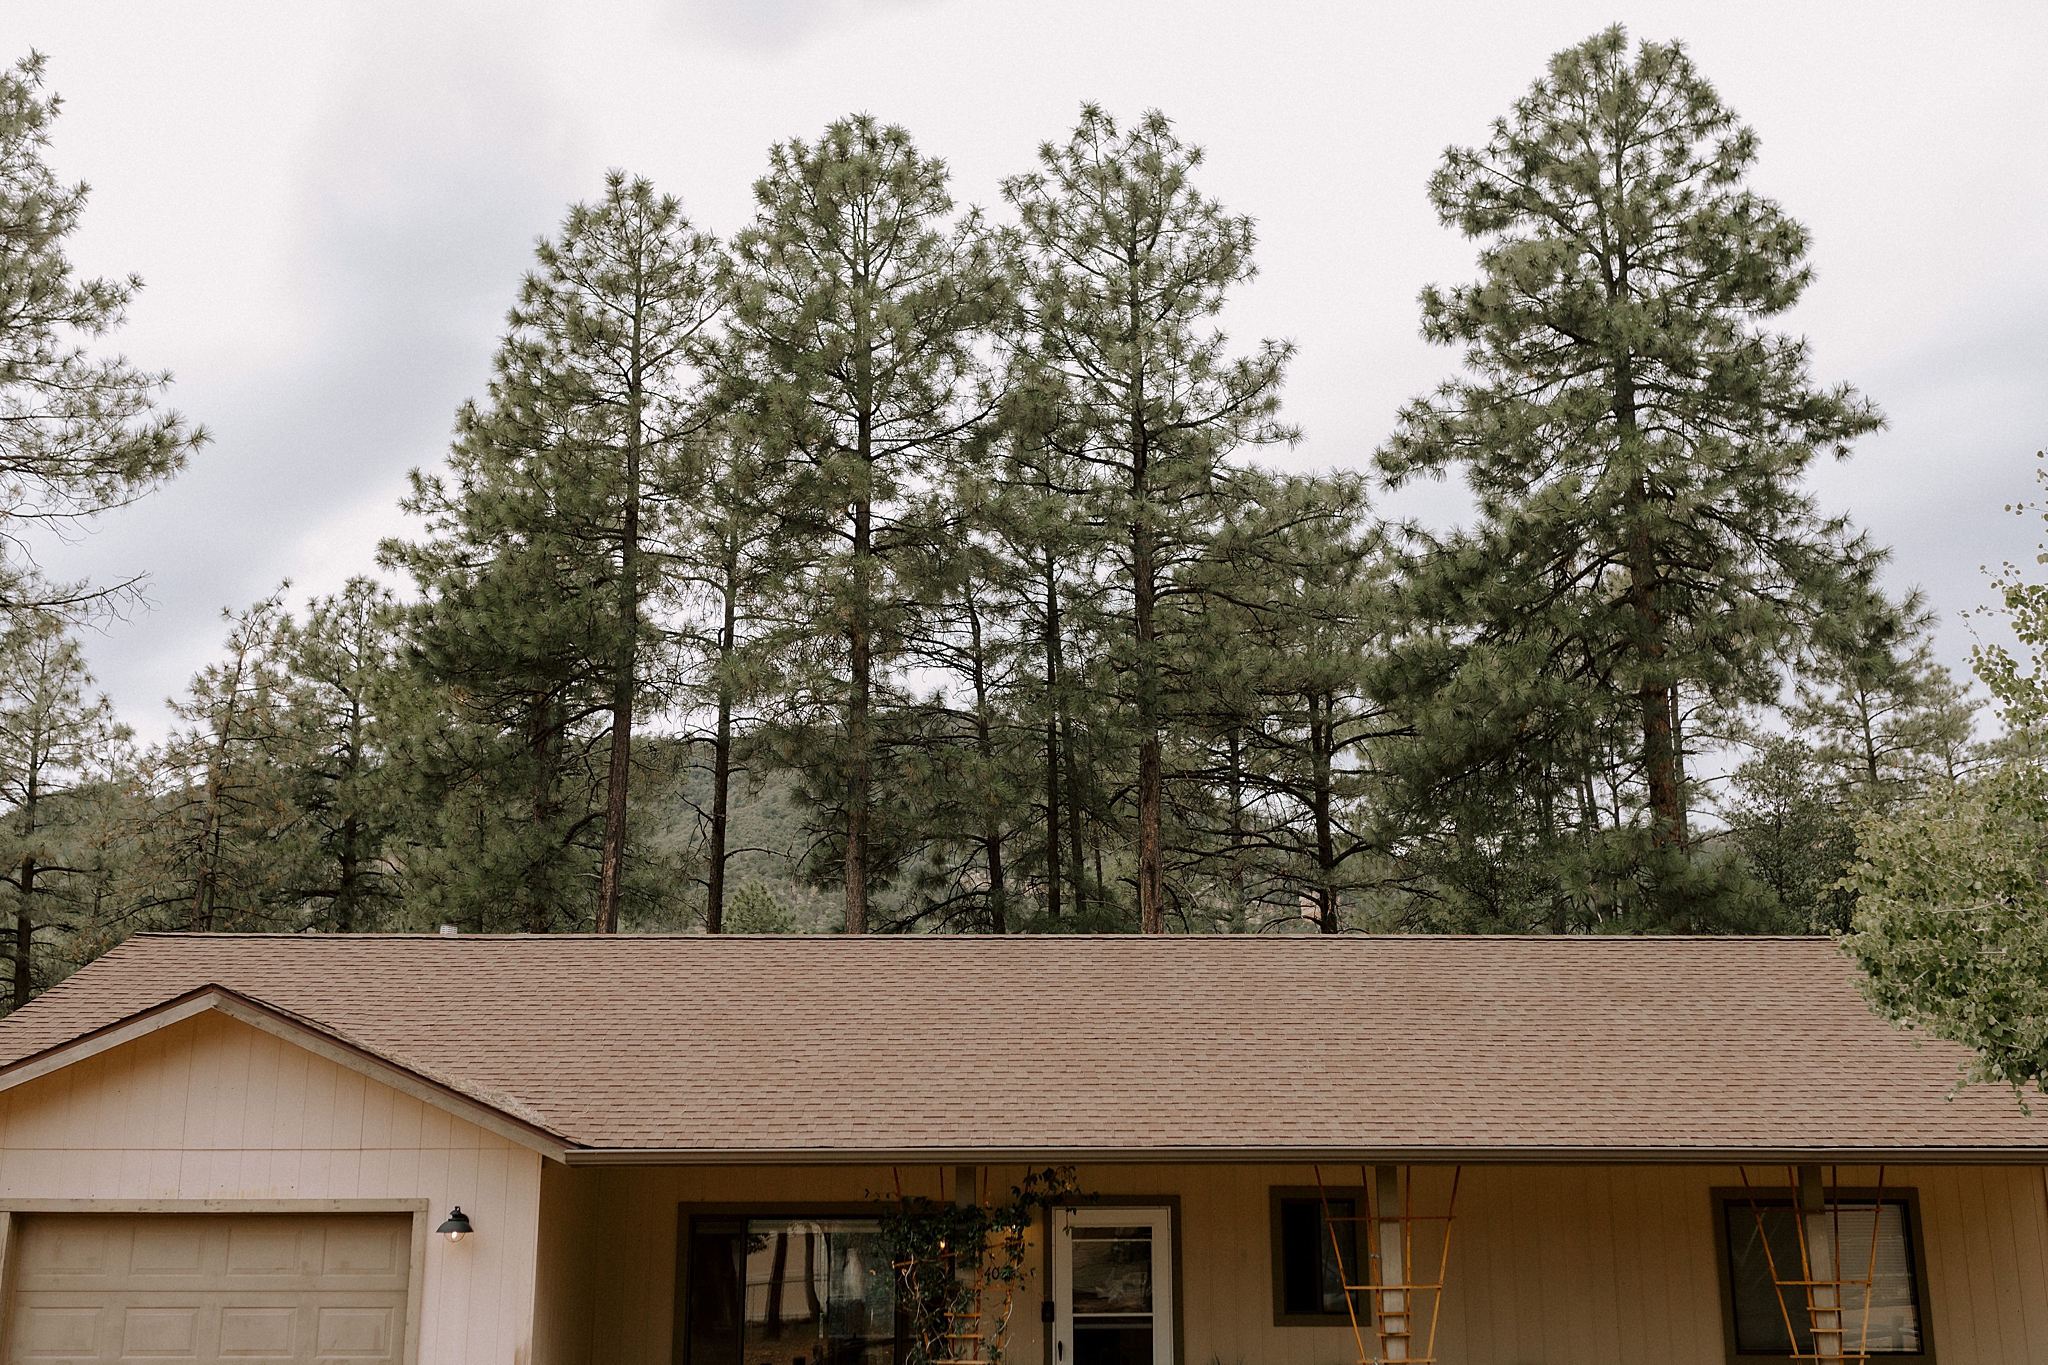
x=1051 y=1044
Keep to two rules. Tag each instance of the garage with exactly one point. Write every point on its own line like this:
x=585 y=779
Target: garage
x=272 y=1287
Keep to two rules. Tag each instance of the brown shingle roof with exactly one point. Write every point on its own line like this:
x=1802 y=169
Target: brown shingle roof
x=1500 y=1047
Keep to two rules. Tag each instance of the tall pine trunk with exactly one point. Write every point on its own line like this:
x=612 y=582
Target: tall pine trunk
x=25 y=935
x=541 y=740
x=859 y=690
x=24 y=915
x=1151 y=779
x=611 y=870
x=1322 y=733
x=992 y=815
x=1076 y=852
x=721 y=750
x=1052 y=745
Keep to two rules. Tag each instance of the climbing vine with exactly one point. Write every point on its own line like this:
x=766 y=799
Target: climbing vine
x=959 y=1266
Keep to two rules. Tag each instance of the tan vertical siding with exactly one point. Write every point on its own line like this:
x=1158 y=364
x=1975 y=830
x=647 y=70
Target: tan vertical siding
x=1549 y=1265
x=566 y=1270
x=213 y=1109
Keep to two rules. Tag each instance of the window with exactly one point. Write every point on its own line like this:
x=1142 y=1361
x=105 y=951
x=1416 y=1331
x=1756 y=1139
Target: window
x=1313 y=1253
x=789 y=1291
x=1875 y=1241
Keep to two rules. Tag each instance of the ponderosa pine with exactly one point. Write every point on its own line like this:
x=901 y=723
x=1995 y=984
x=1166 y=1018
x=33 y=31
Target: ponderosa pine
x=78 y=434
x=1122 y=262
x=1636 y=437
x=857 y=305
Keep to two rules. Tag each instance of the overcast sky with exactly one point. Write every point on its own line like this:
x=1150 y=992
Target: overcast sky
x=331 y=205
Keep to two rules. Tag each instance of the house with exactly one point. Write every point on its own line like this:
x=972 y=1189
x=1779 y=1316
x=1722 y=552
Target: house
x=673 y=1151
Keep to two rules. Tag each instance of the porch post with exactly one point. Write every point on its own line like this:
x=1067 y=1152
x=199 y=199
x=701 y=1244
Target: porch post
x=1825 y=1294
x=1389 y=1233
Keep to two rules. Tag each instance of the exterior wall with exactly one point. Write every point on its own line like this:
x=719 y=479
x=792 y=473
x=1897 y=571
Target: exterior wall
x=213 y=1109
x=565 y=1276
x=1549 y=1265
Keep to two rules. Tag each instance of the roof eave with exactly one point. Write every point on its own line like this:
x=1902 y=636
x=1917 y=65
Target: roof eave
x=292 y=1029
x=1419 y=1155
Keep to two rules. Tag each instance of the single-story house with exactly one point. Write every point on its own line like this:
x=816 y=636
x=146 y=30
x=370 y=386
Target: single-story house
x=1285 y=1151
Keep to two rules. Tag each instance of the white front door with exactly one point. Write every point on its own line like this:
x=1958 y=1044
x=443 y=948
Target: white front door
x=1112 y=1276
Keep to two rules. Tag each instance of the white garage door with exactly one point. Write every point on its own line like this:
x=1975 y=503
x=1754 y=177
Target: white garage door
x=216 y=1287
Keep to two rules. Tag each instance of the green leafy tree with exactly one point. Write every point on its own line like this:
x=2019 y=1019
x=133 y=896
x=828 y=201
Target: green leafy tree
x=78 y=434
x=756 y=911
x=856 y=310
x=1951 y=925
x=1636 y=437
x=498 y=723
x=1121 y=264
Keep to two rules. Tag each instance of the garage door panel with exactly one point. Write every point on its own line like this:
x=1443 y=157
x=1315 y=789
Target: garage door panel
x=367 y=1253
x=267 y=1288
x=251 y=1333
x=170 y=1333
x=47 y=1332
x=68 y=1254
x=175 y=1248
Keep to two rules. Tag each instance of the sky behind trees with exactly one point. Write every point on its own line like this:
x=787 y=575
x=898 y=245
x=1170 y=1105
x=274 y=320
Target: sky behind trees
x=332 y=208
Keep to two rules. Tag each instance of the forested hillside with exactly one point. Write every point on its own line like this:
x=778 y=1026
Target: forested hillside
x=901 y=566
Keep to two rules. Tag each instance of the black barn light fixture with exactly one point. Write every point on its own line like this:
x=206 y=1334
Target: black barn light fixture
x=457 y=1227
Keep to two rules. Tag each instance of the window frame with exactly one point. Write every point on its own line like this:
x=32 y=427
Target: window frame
x=1279 y=1194
x=1916 y=1233
x=687 y=1215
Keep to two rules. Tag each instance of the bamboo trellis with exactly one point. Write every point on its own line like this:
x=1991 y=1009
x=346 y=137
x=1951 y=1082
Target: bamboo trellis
x=1389 y=1291
x=1819 y=1281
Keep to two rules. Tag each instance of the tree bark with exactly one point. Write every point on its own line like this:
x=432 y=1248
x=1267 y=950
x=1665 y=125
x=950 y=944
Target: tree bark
x=858 y=692
x=25 y=936
x=1151 y=778
x=992 y=818
x=541 y=741
x=721 y=752
x=1052 y=745
x=625 y=675
x=1322 y=744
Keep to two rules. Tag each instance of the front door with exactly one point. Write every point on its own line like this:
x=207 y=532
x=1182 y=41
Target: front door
x=1112 y=1275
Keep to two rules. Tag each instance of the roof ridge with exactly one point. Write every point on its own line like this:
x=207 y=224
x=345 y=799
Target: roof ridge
x=673 y=937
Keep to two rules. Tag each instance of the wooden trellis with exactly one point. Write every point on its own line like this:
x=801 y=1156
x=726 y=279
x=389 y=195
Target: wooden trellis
x=1384 y=1277
x=1818 y=1282
x=970 y=1321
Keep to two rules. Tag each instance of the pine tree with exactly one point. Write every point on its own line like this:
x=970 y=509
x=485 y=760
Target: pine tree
x=1121 y=262
x=730 y=559
x=56 y=748
x=856 y=308
x=1796 y=835
x=78 y=435
x=499 y=729
x=216 y=798
x=1296 y=605
x=602 y=365
x=1636 y=437
x=336 y=673
x=544 y=555
x=1883 y=718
